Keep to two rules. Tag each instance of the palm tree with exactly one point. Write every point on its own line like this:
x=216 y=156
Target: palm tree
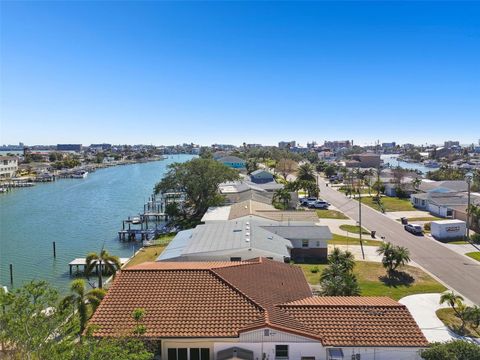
x=306 y=172
x=451 y=299
x=345 y=259
x=104 y=261
x=283 y=196
x=85 y=302
x=473 y=315
x=387 y=250
x=401 y=255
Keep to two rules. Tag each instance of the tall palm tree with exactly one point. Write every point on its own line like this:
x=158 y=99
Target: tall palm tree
x=306 y=172
x=387 y=250
x=105 y=261
x=85 y=302
x=453 y=300
x=401 y=255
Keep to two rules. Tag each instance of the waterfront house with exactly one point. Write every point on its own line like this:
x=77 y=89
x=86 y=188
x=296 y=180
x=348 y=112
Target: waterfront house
x=237 y=240
x=233 y=161
x=8 y=166
x=364 y=160
x=252 y=310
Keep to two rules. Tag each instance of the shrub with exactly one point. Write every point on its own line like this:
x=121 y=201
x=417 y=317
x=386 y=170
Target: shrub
x=314 y=270
x=427 y=226
x=475 y=238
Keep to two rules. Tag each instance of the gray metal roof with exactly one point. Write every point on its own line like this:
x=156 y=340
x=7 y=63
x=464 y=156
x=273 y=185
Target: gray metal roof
x=224 y=236
x=301 y=232
x=260 y=171
x=450 y=185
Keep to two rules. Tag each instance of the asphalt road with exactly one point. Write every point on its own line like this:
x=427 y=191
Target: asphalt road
x=458 y=272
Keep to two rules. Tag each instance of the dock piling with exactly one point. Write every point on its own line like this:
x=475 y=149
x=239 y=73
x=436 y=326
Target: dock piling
x=54 y=250
x=11 y=274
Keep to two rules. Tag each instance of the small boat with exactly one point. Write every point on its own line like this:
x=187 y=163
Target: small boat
x=79 y=175
x=136 y=220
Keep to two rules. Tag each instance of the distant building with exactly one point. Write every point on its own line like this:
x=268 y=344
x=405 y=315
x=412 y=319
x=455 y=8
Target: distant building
x=254 y=145
x=338 y=144
x=233 y=161
x=100 y=147
x=8 y=166
x=287 y=144
x=223 y=147
x=364 y=160
x=389 y=145
x=261 y=176
x=450 y=143
x=69 y=147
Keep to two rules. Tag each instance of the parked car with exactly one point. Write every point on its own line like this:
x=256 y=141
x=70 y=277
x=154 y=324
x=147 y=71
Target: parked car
x=319 y=204
x=308 y=201
x=414 y=229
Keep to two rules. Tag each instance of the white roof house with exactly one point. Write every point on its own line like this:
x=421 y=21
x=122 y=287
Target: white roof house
x=242 y=240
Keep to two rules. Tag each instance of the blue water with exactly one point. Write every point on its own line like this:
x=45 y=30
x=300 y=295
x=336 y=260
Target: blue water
x=80 y=215
x=394 y=162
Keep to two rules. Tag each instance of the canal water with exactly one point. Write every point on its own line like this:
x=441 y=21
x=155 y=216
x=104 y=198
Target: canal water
x=393 y=161
x=80 y=215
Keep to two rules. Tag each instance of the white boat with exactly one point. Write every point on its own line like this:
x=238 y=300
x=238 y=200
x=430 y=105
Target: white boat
x=136 y=220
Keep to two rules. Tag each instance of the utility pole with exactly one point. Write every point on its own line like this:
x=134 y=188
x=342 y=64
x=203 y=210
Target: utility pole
x=468 y=179
x=360 y=217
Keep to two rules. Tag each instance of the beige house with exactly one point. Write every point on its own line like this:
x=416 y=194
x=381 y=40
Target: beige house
x=8 y=166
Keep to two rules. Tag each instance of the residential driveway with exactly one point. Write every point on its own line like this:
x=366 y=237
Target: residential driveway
x=334 y=226
x=455 y=270
x=396 y=215
x=423 y=308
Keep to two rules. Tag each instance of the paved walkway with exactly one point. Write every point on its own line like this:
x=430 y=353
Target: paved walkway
x=423 y=308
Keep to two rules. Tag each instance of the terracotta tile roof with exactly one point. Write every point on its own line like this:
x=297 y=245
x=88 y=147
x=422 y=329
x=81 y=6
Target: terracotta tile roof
x=358 y=321
x=223 y=299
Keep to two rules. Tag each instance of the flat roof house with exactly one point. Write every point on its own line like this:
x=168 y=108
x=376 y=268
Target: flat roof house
x=258 y=309
x=243 y=240
x=8 y=166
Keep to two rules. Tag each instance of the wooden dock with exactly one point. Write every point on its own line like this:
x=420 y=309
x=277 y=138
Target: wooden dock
x=81 y=263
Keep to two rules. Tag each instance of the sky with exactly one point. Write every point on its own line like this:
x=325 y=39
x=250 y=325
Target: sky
x=234 y=72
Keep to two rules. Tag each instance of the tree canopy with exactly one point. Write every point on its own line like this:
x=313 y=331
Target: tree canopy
x=452 y=350
x=198 y=180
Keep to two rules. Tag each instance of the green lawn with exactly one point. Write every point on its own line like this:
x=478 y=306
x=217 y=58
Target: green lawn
x=354 y=229
x=447 y=315
x=369 y=274
x=389 y=204
x=151 y=253
x=458 y=242
x=343 y=240
x=475 y=255
x=331 y=214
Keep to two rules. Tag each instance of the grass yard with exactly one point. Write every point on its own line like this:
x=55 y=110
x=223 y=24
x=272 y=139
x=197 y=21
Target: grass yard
x=151 y=253
x=331 y=214
x=457 y=242
x=344 y=240
x=475 y=255
x=447 y=315
x=354 y=229
x=389 y=204
x=369 y=275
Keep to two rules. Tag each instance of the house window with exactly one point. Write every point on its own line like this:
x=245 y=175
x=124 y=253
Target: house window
x=177 y=354
x=199 y=354
x=235 y=259
x=318 y=243
x=281 y=351
x=305 y=243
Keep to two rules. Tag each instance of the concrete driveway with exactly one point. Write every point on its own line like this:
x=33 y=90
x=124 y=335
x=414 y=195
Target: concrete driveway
x=423 y=308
